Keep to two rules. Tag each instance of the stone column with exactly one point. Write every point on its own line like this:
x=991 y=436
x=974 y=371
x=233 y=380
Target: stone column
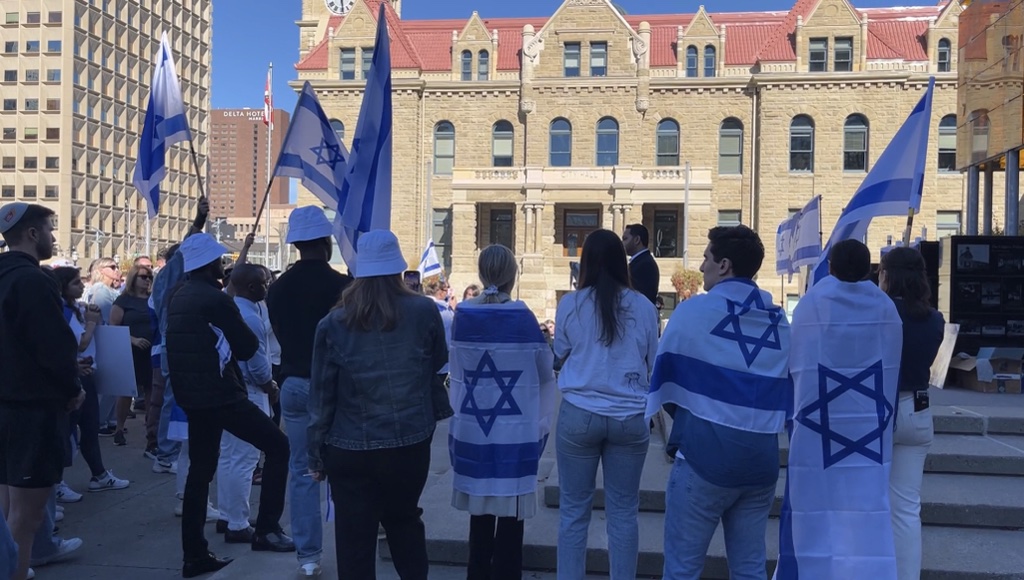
x=1012 y=212
x=464 y=241
x=986 y=208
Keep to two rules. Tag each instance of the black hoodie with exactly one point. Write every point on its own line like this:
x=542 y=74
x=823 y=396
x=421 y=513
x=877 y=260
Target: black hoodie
x=38 y=350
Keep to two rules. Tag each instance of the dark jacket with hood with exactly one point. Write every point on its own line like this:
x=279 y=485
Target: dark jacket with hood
x=38 y=350
x=193 y=358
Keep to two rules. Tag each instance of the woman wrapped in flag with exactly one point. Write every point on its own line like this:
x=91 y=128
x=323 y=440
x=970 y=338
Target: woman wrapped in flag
x=503 y=394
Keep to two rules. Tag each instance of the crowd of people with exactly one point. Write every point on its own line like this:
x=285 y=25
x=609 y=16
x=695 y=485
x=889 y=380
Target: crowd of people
x=328 y=377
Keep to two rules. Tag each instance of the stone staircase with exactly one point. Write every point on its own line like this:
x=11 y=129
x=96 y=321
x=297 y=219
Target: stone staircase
x=972 y=502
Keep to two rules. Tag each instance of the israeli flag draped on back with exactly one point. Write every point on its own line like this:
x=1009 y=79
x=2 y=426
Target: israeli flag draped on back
x=165 y=124
x=798 y=240
x=364 y=203
x=730 y=364
x=893 y=186
x=311 y=150
x=503 y=392
x=845 y=359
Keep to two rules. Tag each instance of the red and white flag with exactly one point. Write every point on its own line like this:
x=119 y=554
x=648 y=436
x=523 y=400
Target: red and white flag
x=268 y=104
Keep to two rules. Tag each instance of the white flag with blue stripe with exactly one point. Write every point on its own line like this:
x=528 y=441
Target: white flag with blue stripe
x=311 y=150
x=798 y=240
x=165 y=124
x=430 y=264
x=364 y=203
x=503 y=393
x=893 y=186
x=725 y=358
x=845 y=359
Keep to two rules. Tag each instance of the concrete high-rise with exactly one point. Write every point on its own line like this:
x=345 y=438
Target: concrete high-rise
x=238 y=161
x=75 y=87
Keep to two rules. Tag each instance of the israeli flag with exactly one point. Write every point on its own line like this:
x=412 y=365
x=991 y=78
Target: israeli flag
x=364 y=202
x=430 y=264
x=894 y=185
x=503 y=393
x=845 y=359
x=311 y=150
x=798 y=240
x=725 y=358
x=165 y=125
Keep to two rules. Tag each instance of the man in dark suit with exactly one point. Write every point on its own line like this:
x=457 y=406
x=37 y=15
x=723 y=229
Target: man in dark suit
x=643 y=270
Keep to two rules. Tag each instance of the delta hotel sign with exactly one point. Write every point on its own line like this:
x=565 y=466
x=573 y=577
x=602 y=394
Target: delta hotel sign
x=250 y=114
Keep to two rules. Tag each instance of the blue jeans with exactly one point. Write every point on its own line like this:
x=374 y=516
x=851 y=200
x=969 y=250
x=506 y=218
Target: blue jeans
x=585 y=439
x=693 y=508
x=46 y=543
x=167 y=451
x=303 y=493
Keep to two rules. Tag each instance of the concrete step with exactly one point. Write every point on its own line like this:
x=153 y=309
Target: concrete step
x=972 y=420
x=949 y=553
x=976 y=501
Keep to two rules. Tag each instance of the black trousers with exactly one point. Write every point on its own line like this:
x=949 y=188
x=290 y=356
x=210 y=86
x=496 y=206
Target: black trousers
x=205 y=427
x=379 y=487
x=495 y=551
x=87 y=418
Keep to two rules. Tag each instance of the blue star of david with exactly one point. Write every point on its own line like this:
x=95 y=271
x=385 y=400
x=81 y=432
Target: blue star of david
x=874 y=391
x=729 y=328
x=327 y=154
x=505 y=405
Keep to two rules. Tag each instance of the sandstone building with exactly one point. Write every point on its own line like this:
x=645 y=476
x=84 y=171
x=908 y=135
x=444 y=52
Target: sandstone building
x=532 y=132
x=75 y=89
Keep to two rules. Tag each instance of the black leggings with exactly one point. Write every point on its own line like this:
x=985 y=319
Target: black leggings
x=495 y=551
x=87 y=418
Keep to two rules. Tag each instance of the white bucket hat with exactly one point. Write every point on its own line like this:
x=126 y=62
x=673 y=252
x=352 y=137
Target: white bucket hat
x=306 y=224
x=379 y=255
x=199 y=250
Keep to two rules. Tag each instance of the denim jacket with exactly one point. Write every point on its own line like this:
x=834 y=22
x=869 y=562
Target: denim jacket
x=375 y=390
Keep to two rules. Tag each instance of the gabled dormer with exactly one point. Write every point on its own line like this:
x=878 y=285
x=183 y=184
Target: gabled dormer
x=474 y=51
x=585 y=39
x=350 y=47
x=832 y=38
x=942 y=39
x=700 y=48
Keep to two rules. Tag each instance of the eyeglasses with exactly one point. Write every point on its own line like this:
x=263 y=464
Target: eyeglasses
x=144 y=277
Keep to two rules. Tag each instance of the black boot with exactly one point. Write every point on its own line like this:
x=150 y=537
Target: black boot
x=204 y=565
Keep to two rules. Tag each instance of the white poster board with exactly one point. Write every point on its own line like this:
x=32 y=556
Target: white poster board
x=115 y=366
x=940 y=366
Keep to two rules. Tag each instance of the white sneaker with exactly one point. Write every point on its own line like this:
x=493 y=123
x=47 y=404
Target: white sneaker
x=31 y=574
x=310 y=570
x=64 y=551
x=60 y=508
x=212 y=513
x=161 y=467
x=58 y=517
x=107 y=481
x=67 y=495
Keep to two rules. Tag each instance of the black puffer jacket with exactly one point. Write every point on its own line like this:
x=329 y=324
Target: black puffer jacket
x=192 y=356
x=38 y=350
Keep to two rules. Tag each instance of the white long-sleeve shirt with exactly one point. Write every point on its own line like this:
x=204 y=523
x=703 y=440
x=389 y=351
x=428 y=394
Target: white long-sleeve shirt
x=257 y=370
x=607 y=380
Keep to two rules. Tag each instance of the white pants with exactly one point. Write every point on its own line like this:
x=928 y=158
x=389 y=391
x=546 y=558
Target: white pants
x=237 y=461
x=911 y=441
x=183 y=465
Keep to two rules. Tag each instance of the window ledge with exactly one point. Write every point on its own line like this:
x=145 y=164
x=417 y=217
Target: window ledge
x=948 y=174
x=807 y=174
x=733 y=176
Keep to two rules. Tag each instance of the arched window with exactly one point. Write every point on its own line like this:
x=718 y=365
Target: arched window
x=691 y=61
x=667 y=143
x=945 y=56
x=710 y=61
x=607 y=142
x=444 y=148
x=979 y=135
x=855 y=143
x=730 y=147
x=483 y=65
x=801 y=144
x=339 y=129
x=560 y=143
x=467 y=65
x=502 y=139
x=947 y=143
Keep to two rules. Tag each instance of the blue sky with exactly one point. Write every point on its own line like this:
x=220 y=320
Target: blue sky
x=249 y=35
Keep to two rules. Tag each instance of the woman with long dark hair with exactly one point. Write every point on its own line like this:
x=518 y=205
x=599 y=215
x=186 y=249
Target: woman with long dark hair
x=83 y=321
x=374 y=403
x=902 y=276
x=606 y=334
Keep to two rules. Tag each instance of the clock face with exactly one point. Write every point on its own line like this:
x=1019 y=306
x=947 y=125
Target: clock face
x=339 y=6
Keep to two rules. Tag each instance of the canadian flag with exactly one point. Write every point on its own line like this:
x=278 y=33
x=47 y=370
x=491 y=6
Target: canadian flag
x=268 y=104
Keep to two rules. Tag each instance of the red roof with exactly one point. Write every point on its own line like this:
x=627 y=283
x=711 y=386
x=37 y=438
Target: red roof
x=893 y=34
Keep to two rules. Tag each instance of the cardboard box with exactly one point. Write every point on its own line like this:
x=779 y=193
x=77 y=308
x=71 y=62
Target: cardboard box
x=994 y=370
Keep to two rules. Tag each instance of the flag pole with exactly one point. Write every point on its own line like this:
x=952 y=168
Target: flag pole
x=910 y=225
x=270 y=141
